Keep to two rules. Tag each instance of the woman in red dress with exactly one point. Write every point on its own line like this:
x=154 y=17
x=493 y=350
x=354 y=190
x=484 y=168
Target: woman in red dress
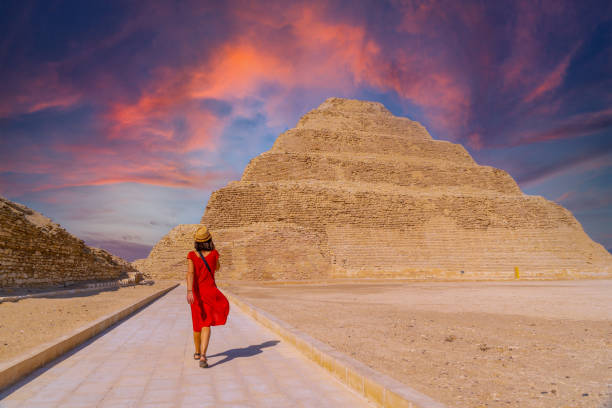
x=208 y=305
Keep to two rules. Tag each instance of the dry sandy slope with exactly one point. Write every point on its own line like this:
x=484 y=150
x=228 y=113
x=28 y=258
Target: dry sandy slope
x=29 y=323
x=503 y=344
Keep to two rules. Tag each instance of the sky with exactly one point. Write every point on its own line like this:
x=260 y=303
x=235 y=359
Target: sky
x=119 y=118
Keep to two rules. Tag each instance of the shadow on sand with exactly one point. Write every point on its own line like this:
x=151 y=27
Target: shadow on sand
x=242 y=352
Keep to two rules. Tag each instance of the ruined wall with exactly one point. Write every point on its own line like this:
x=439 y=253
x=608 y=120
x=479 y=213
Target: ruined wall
x=34 y=251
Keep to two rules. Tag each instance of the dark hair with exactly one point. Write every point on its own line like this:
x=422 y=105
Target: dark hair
x=205 y=246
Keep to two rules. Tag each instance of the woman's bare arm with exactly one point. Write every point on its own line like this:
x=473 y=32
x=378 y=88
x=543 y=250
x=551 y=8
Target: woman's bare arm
x=190 y=272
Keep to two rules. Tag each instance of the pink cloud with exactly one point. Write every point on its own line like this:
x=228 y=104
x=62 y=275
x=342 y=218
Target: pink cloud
x=525 y=46
x=565 y=196
x=236 y=70
x=318 y=54
x=166 y=177
x=45 y=90
x=152 y=138
x=553 y=80
x=296 y=48
x=475 y=141
x=522 y=71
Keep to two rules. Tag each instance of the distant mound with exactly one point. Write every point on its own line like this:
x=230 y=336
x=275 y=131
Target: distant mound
x=354 y=191
x=34 y=251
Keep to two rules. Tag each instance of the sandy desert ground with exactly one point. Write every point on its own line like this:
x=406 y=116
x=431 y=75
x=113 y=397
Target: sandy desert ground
x=477 y=344
x=29 y=323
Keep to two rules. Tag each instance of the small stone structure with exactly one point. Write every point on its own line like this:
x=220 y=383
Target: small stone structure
x=168 y=258
x=36 y=252
x=354 y=191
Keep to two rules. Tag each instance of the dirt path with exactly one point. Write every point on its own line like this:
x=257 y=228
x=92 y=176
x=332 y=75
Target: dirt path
x=504 y=344
x=29 y=323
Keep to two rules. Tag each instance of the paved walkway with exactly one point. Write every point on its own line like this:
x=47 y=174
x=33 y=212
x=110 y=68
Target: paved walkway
x=146 y=361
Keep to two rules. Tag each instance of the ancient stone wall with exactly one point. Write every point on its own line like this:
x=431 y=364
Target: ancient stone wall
x=34 y=251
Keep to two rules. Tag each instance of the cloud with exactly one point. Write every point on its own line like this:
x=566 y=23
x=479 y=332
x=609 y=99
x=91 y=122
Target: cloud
x=123 y=248
x=590 y=160
x=158 y=175
x=553 y=80
x=303 y=49
x=45 y=91
x=475 y=141
x=529 y=50
x=579 y=125
x=183 y=99
x=156 y=105
x=565 y=196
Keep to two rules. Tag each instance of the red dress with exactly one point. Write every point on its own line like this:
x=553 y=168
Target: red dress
x=210 y=307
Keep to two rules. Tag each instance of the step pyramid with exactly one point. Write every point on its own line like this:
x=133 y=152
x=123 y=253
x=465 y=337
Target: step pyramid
x=355 y=192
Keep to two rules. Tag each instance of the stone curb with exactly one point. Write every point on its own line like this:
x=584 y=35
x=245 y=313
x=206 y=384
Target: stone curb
x=91 y=287
x=21 y=366
x=377 y=387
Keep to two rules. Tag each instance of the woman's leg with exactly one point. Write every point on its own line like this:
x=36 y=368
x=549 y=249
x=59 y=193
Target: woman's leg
x=205 y=337
x=197 y=341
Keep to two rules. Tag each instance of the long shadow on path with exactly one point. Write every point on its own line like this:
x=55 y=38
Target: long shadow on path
x=243 y=352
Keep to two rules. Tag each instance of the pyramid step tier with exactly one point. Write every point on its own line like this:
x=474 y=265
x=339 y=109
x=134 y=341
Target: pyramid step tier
x=440 y=246
x=437 y=249
x=321 y=203
x=322 y=140
x=381 y=122
x=401 y=171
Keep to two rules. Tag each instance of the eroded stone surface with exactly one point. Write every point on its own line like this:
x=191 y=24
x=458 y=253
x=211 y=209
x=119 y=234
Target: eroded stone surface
x=354 y=191
x=34 y=251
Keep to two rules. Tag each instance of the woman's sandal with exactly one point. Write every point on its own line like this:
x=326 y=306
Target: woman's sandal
x=204 y=363
x=196 y=356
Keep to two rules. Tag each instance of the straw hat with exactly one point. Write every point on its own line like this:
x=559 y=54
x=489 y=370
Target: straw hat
x=202 y=234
